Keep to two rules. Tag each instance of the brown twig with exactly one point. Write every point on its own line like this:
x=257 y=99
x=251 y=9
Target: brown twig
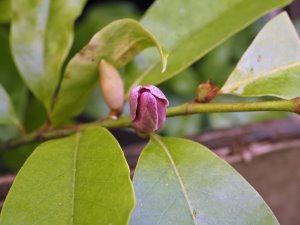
x=47 y=134
x=292 y=105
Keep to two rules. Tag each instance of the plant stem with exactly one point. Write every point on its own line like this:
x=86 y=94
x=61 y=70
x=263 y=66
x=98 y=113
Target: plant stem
x=292 y=105
x=47 y=134
x=193 y=108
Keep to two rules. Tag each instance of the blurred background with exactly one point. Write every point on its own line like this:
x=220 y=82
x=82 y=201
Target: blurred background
x=264 y=147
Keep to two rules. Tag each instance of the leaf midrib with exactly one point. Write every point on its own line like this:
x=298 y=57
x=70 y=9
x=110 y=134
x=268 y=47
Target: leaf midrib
x=184 y=191
x=74 y=170
x=232 y=87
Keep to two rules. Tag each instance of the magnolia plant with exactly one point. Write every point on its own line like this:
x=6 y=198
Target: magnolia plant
x=81 y=176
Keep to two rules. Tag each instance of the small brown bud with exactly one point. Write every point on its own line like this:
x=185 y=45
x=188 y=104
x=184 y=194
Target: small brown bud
x=297 y=105
x=206 y=92
x=112 y=87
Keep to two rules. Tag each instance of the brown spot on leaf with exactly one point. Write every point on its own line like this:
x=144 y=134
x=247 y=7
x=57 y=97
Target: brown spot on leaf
x=15 y=16
x=67 y=76
x=194 y=212
x=126 y=56
x=259 y=58
x=84 y=52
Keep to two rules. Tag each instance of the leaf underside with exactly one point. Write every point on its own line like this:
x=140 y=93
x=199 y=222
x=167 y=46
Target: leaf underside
x=8 y=113
x=181 y=182
x=271 y=65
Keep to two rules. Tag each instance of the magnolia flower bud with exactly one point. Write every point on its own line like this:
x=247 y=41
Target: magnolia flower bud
x=112 y=87
x=147 y=108
x=206 y=92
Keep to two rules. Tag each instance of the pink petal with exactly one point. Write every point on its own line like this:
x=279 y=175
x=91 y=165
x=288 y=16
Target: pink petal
x=157 y=93
x=147 y=118
x=161 y=112
x=133 y=101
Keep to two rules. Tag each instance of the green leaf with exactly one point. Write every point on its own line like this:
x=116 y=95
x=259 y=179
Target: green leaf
x=5 y=10
x=189 y=30
x=271 y=65
x=41 y=36
x=221 y=61
x=178 y=181
x=9 y=76
x=118 y=43
x=82 y=179
x=14 y=87
x=7 y=111
x=97 y=17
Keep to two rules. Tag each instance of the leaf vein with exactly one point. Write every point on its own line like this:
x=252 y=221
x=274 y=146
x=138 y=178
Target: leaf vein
x=77 y=139
x=184 y=191
x=248 y=80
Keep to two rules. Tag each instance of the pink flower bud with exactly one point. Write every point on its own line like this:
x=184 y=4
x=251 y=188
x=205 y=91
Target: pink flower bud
x=147 y=108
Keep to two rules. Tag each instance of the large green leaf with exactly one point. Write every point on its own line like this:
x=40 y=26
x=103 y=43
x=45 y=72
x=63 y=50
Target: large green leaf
x=82 y=179
x=5 y=10
x=9 y=76
x=190 y=29
x=271 y=65
x=41 y=36
x=178 y=181
x=7 y=111
x=118 y=43
x=13 y=85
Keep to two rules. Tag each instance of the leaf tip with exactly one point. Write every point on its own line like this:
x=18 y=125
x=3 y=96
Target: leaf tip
x=164 y=61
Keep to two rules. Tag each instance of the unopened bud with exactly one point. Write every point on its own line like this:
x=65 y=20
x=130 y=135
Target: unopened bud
x=147 y=108
x=206 y=92
x=112 y=87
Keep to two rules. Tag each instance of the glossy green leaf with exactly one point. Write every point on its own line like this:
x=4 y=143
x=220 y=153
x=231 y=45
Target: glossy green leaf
x=41 y=36
x=5 y=11
x=178 y=181
x=118 y=43
x=82 y=179
x=221 y=61
x=7 y=111
x=97 y=17
x=190 y=29
x=9 y=76
x=271 y=65
x=13 y=85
